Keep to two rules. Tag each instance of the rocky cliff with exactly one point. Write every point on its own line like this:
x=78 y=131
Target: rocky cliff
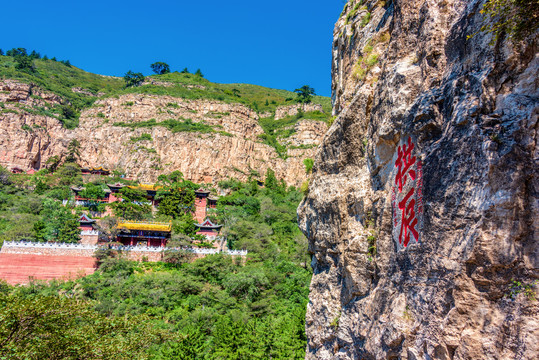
x=423 y=207
x=232 y=148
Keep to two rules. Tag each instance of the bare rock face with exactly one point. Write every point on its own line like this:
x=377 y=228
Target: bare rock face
x=423 y=208
x=28 y=139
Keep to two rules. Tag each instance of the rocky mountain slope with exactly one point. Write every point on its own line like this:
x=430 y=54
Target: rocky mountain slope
x=422 y=212
x=225 y=144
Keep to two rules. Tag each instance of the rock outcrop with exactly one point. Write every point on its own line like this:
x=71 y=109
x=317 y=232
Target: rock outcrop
x=28 y=138
x=423 y=207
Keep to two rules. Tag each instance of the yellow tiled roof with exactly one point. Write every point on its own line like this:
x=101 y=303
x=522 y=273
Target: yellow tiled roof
x=100 y=168
x=145 y=225
x=146 y=187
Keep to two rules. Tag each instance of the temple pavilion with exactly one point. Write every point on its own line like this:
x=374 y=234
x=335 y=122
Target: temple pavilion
x=208 y=229
x=95 y=171
x=147 y=233
x=88 y=233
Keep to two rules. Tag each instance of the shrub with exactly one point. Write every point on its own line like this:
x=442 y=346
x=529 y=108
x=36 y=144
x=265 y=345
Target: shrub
x=177 y=257
x=308 y=162
x=142 y=137
x=516 y=18
x=365 y=19
x=305 y=187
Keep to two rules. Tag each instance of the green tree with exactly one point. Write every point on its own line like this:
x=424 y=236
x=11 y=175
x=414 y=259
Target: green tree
x=35 y=55
x=305 y=94
x=92 y=191
x=53 y=162
x=24 y=63
x=199 y=73
x=73 y=151
x=134 y=205
x=271 y=181
x=185 y=71
x=5 y=176
x=160 y=68
x=177 y=201
x=17 y=52
x=53 y=327
x=61 y=225
x=133 y=79
x=177 y=257
x=69 y=174
x=1 y=52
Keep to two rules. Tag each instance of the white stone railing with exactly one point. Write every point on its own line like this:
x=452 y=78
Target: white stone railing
x=36 y=245
x=28 y=244
x=137 y=248
x=89 y=232
x=236 y=252
x=211 y=251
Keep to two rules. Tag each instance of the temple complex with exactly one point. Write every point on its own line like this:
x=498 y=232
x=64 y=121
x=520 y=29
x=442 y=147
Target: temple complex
x=147 y=233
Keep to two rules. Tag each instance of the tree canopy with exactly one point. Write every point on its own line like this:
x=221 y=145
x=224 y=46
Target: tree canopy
x=133 y=79
x=160 y=68
x=305 y=94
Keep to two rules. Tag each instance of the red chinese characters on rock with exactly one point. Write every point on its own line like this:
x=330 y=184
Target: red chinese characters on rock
x=405 y=197
x=404 y=163
x=409 y=220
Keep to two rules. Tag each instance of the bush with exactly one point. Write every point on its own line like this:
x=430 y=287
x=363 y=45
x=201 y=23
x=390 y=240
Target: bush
x=142 y=137
x=308 y=162
x=516 y=18
x=177 y=257
x=133 y=79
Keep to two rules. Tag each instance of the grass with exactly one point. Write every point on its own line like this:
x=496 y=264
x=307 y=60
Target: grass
x=365 y=19
x=183 y=125
x=366 y=62
x=142 y=137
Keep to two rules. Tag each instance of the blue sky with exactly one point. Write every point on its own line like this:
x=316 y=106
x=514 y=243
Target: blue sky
x=279 y=44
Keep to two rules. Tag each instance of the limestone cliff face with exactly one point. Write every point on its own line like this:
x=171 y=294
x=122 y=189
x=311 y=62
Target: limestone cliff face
x=27 y=139
x=423 y=206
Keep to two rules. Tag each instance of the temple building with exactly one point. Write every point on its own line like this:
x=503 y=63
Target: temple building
x=208 y=229
x=89 y=235
x=151 y=192
x=114 y=190
x=95 y=171
x=201 y=201
x=212 y=202
x=146 y=233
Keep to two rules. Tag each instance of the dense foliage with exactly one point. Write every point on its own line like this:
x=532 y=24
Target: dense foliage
x=217 y=307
